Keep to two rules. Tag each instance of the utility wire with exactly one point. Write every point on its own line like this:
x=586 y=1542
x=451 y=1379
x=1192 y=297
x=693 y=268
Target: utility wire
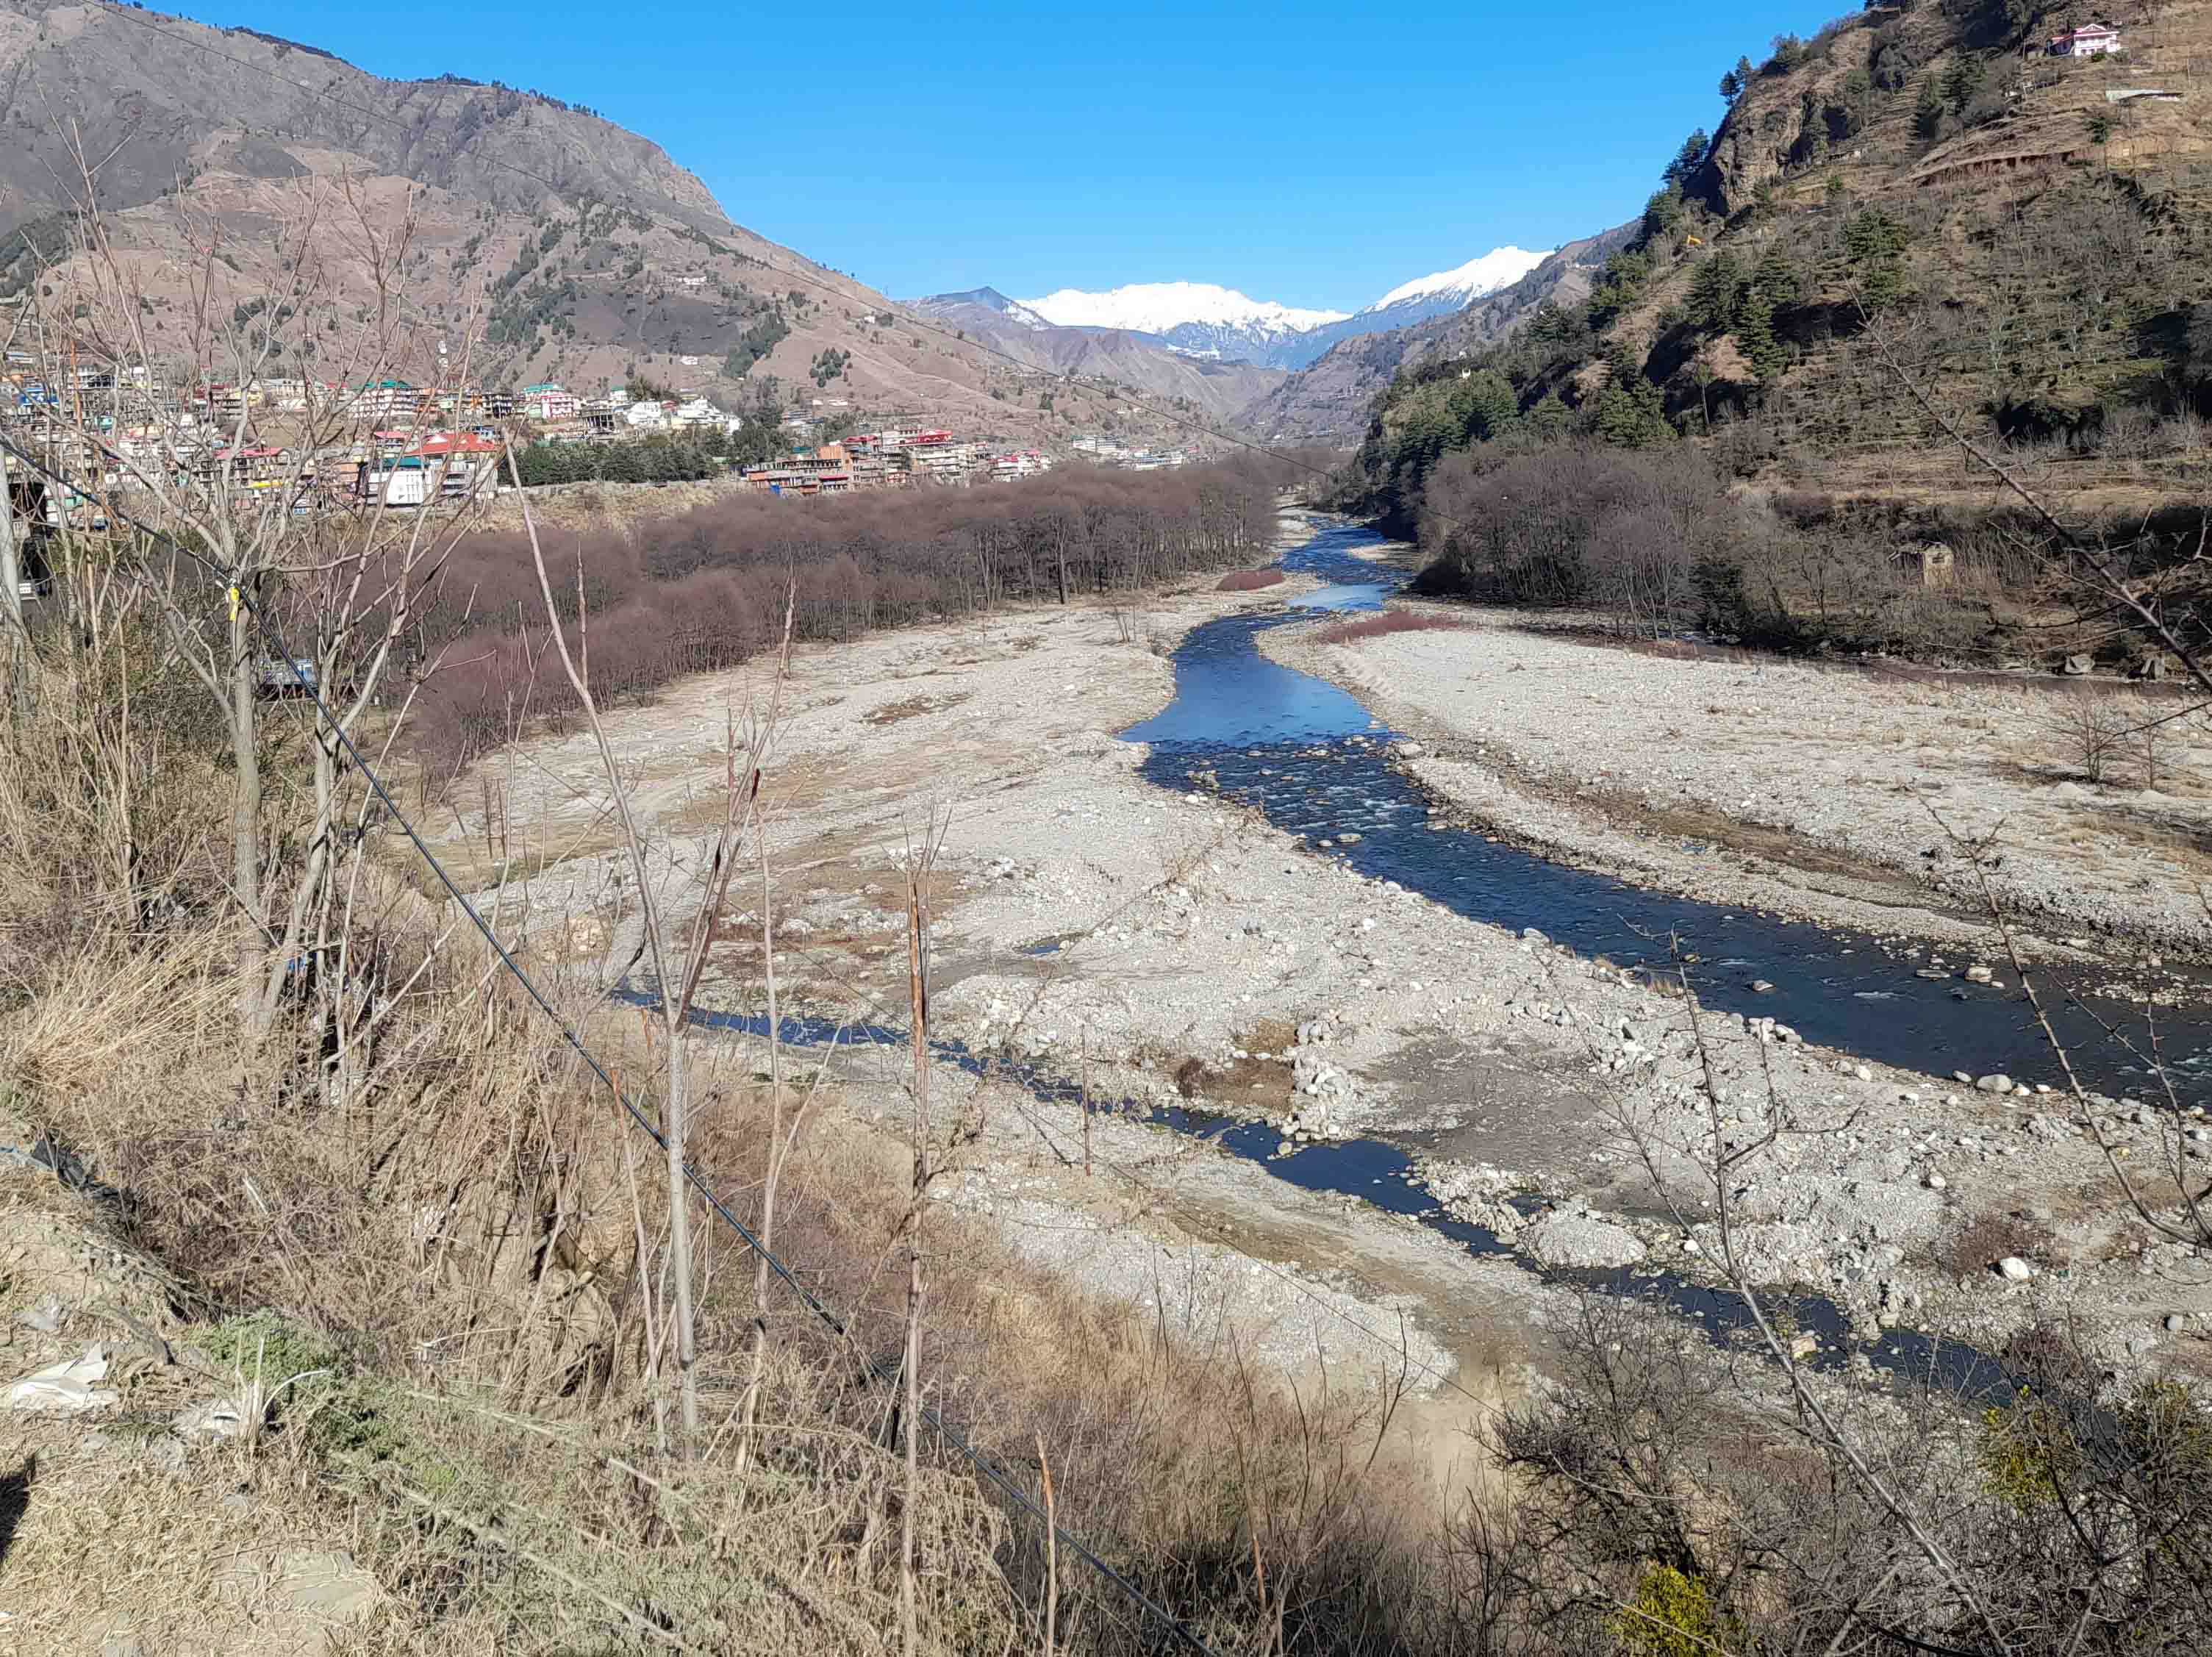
x=877 y=1371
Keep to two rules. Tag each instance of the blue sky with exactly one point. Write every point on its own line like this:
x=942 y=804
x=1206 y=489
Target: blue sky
x=1314 y=155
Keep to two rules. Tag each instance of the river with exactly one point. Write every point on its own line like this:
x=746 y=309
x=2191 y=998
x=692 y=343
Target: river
x=1316 y=763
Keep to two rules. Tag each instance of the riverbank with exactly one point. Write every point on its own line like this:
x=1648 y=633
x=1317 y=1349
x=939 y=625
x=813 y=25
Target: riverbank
x=1178 y=950
x=1900 y=806
x=1004 y=731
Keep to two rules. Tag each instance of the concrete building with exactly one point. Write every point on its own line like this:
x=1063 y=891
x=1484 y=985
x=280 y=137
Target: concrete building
x=2086 y=42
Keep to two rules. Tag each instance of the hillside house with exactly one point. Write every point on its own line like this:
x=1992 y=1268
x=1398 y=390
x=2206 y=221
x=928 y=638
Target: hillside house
x=825 y=471
x=254 y=465
x=935 y=454
x=398 y=481
x=550 y=401
x=1022 y=463
x=2086 y=42
x=456 y=458
x=386 y=400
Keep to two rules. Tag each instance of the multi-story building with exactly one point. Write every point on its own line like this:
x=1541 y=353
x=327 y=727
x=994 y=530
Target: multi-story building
x=1022 y=463
x=387 y=401
x=935 y=455
x=550 y=401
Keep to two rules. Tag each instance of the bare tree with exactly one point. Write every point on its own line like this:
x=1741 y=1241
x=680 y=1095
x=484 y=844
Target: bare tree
x=158 y=452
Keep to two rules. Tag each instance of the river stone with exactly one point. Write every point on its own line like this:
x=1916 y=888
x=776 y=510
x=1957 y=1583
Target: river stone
x=1577 y=1240
x=2075 y=666
x=1769 y=1251
x=1995 y=1082
x=2013 y=1269
x=1409 y=750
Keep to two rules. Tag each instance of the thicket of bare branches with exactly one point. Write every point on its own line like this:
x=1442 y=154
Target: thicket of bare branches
x=708 y=589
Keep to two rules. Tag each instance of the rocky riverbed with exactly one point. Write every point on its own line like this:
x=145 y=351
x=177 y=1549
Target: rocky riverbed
x=1895 y=802
x=1173 y=950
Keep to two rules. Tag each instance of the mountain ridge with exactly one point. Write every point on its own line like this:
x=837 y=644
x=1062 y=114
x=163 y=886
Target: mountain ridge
x=1329 y=400
x=1205 y=319
x=572 y=249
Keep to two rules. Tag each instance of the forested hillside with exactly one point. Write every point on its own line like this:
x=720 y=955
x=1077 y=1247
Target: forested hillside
x=1329 y=400
x=1919 y=222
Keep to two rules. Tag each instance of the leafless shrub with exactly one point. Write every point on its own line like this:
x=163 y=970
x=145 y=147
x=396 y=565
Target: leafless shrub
x=1388 y=621
x=708 y=590
x=1972 y=1248
x=1250 y=581
x=2091 y=732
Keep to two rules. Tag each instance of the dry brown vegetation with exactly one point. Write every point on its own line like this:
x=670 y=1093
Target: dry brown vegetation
x=466 y=1247
x=1248 y=580
x=707 y=590
x=1388 y=621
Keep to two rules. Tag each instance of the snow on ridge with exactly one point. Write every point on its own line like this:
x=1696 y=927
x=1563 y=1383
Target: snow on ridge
x=1154 y=308
x=1499 y=268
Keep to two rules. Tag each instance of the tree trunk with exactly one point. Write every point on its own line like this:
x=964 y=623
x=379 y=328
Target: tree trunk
x=675 y=1124
x=246 y=826
x=918 y=999
x=11 y=593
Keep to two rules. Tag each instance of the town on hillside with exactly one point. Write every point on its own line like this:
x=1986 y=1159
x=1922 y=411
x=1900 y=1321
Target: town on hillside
x=407 y=445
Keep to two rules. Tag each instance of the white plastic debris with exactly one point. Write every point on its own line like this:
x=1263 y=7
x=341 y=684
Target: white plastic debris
x=66 y=1388
x=219 y=1418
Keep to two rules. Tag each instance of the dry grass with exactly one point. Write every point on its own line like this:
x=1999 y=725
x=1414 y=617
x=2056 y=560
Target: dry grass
x=1972 y=1249
x=451 y=1253
x=1248 y=580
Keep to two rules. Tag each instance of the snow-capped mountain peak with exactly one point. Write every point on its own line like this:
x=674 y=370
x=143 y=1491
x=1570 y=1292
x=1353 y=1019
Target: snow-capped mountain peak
x=1160 y=308
x=1205 y=320
x=1499 y=268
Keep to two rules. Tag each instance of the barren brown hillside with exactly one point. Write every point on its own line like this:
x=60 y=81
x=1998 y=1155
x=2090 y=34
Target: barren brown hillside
x=582 y=252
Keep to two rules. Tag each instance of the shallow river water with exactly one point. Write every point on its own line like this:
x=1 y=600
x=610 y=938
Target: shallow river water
x=1275 y=739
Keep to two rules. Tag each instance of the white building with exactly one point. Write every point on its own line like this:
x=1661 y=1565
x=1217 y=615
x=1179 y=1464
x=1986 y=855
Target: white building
x=550 y=401
x=1022 y=463
x=2087 y=42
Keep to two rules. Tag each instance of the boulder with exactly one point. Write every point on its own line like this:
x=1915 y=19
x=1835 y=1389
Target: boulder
x=1994 y=1082
x=2075 y=666
x=1579 y=1241
x=2013 y=1269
